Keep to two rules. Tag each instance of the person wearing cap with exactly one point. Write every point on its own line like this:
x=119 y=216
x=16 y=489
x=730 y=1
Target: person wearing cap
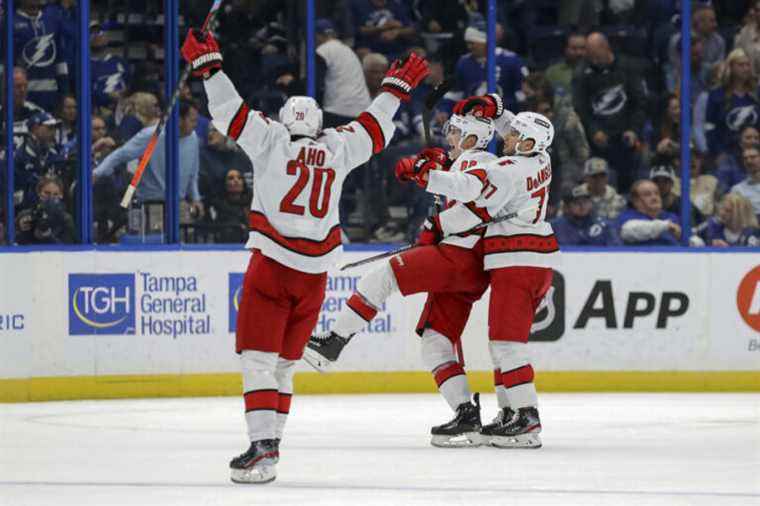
x=608 y=203
x=645 y=223
x=579 y=225
x=470 y=72
x=37 y=157
x=384 y=26
x=341 y=88
x=664 y=176
x=750 y=187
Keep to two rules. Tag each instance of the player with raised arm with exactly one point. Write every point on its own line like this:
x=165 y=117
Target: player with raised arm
x=519 y=255
x=449 y=269
x=294 y=230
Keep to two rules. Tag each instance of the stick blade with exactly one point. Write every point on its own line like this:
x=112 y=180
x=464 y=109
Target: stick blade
x=438 y=93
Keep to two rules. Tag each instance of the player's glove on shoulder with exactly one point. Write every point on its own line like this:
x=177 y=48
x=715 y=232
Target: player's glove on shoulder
x=201 y=51
x=405 y=75
x=486 y=106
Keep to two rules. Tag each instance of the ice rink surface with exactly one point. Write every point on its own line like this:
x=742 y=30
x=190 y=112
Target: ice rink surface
x=599 y=449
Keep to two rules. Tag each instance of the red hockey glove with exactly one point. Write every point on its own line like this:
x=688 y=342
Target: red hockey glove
x=430 y=234
x=486 y=106
x=201 y=51
x=404 y=75
x=405 y=169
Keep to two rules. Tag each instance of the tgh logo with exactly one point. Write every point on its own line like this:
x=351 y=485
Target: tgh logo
x=101 y=304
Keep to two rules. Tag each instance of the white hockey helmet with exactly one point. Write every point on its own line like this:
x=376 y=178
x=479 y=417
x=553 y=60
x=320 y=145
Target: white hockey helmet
x=531 y=125
x=482 y=128
x=302 y=116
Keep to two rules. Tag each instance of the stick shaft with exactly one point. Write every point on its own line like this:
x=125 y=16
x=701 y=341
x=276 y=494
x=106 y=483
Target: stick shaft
x=148 y=154
x=387 y=254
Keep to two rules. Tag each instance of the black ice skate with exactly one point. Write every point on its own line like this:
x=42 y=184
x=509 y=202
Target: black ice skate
x=514 y=429
x=463 y=430
x=324 y=349
x=257 y=465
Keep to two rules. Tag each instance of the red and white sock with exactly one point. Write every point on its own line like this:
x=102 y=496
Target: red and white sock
x=439 y=356
x=260 y=393
x=516 y=373
x=372 y=290
x=284 y=376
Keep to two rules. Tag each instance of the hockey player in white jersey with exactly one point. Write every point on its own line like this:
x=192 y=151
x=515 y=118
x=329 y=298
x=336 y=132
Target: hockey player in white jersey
x=519 y=255
x=449 y=269
x=294 y=230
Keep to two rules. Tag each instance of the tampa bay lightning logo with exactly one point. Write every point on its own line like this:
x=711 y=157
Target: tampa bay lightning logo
x=740 y=116
x=595 y=230
x=111 y=83
x=380 y=17
x=610 y=101
x=40 y=51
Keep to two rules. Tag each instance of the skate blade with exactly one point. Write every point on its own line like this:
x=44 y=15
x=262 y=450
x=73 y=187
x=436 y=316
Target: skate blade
x=466 y=440
x=528 y=441
x=257 y=475
x=317 y=361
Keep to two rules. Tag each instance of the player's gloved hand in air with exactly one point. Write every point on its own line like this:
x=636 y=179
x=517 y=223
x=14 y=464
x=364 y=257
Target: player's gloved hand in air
x=486 y=106
x=416 y=168
x=201 y=51
x=431 y=233
x=405 y=75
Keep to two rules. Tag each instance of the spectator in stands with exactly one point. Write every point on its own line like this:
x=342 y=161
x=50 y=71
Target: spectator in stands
x=374 y=66
x=102 y=143
x=570 y=148
x=470 y=73
x=734 y=225
x=705 y=26
x=152 y=186
x=385 y=26
x=47 y=222
x=699 y=72
x=64 y=14
x=37 y=41
x=734 y=104
x=664 y=176
x=560 y=75
x=645 y=223
x=230 y=208
x=141 y=111
x=23 y=109
x=730 y=170
x=704 y=187
x=607 y=202
x=38 y=157
x=667 y=131
x=109 y=73
x=216 y=158
x=66 y=134
x=750 y=187
x=610 y=99
x=748 y=37
x=579 y=226
x=341 y=88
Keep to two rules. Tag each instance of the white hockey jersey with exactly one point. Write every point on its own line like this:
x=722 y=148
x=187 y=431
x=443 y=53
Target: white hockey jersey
x=465 y=163
x=297 y=184
x=496 y=188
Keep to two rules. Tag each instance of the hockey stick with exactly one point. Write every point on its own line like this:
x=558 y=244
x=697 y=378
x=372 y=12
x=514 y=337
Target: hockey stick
x=430 y=101
x=387 y=254
x=148 y=154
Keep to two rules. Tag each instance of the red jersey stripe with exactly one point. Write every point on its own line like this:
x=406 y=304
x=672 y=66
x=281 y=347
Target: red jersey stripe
x=303 y=246
x=518 y=376
x=360 y=307
x=443 y=374
x=478 y=173
x=260 y=399
x=238 y=122
x=375 y=131
x=520 y=242
x=497 y=382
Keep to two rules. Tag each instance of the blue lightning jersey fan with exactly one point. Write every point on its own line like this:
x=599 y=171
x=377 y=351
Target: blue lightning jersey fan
x=38 y=49
x=109 y=76
x=510 y=71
